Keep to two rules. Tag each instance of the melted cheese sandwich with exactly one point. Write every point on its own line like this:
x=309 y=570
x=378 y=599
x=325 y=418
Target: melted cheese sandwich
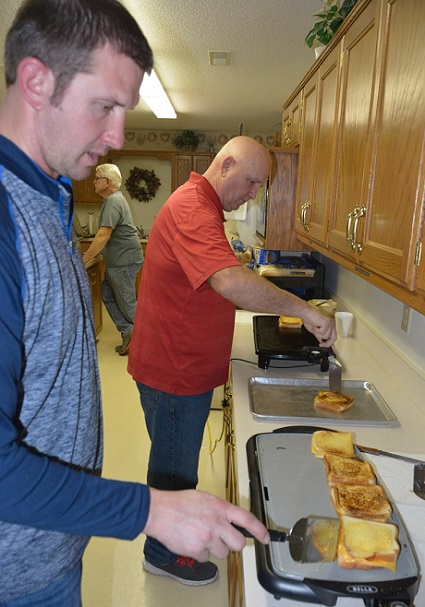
x=365 y=544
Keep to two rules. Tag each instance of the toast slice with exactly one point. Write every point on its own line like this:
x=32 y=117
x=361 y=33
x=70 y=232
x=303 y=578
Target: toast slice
x=348 y=471
x=364 y=544
x=333 y=401
x=360 y=501
x=337 y=443
x=291 y=322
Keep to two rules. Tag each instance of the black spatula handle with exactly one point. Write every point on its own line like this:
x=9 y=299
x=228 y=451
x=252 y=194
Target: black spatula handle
x=275 y=536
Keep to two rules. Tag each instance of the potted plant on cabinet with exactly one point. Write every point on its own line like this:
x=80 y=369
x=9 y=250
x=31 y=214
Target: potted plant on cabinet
x=187 y=140
x=328 y=21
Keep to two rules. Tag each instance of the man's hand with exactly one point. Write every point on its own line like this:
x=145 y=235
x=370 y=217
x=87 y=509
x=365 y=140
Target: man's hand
x=196 y=524
x=322 y=326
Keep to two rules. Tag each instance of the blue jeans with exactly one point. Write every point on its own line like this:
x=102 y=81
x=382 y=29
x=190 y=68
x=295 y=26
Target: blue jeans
x=176 y=427
x=65 y=592
x=119 y=295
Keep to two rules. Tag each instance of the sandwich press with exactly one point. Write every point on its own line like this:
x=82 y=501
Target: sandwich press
x=312 y=539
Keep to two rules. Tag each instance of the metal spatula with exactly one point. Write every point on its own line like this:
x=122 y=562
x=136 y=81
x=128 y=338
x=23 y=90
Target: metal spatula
x=419 y=480
x=311 y=539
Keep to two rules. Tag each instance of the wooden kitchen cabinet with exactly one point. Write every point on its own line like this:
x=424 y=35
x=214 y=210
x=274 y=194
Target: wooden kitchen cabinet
x=183 y=164
x=139 y=273
x=318 y=147
x=84 y=190
x=280 y=201
x=234 y=567
x=381 y=141
x=396 y=190
x=291 y=122
x=375 y=177
x=356 y=120
x=95 y=278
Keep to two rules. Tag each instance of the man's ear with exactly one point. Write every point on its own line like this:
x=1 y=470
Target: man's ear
x=35 y=81
x=227 y=164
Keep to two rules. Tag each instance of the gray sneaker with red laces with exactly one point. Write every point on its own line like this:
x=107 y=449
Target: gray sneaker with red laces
x=186 y=571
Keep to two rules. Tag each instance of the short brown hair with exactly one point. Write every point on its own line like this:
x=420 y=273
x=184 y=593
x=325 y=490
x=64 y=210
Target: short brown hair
x=64 y=33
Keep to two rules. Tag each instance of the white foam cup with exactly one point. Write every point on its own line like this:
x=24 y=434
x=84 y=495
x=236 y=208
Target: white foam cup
x=344 y=323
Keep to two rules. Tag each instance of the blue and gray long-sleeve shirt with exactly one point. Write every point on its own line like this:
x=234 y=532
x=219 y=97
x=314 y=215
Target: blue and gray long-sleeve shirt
x=52 y=497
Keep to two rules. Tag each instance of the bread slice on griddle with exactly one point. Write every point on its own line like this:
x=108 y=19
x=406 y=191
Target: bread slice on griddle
x=360 y=501
x=337 y=443
x=365 y=544
x=348 y=471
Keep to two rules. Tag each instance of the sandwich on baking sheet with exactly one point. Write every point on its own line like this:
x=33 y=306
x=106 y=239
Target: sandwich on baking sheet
x=333 y=401
x=337 y=443
x=290 y=322
x=348 y=471
x=365 y=544
x=361 y=501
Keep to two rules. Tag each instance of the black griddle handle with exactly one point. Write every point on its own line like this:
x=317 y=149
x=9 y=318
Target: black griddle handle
x=317 y=354
x=300 y=429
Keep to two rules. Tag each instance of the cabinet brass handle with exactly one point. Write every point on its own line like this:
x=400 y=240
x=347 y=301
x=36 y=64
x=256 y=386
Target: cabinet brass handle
x=349 y=236
x=304 y=208
x=302 y=214
x=361 y=213
x=285 y=132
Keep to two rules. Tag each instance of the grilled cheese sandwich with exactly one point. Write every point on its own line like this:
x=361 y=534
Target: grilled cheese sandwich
x=337 y=443
x=333 y=401
x=365 y=544
x=348 y=471
x=291 y=322
x=360 y=501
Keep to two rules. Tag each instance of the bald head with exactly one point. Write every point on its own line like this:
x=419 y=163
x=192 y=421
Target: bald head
x=238 y=170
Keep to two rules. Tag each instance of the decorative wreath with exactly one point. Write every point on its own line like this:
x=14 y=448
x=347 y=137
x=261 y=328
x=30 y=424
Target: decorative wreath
x=142 y=184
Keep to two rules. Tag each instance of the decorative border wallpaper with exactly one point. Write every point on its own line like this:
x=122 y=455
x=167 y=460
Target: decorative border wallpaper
x=209 y=141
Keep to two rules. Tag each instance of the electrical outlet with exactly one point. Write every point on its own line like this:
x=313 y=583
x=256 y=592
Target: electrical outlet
x=405 y=319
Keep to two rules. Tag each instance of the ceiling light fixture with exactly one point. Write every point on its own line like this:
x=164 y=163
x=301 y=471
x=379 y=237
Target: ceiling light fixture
x=219 y=57
x=152 y=92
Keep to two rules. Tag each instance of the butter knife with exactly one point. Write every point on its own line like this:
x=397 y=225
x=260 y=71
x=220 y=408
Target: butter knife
x=374 y=451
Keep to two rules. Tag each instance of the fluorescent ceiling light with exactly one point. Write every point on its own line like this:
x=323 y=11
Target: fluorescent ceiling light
x=152 y=92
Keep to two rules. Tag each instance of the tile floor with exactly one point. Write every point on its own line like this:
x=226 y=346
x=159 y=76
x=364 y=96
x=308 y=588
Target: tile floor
x=113 y=574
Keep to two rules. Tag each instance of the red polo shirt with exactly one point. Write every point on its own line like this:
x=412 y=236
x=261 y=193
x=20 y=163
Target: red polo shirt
x=183 y=329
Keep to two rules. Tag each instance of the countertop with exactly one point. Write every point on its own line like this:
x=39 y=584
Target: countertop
x=93 y=262
x=364 y=357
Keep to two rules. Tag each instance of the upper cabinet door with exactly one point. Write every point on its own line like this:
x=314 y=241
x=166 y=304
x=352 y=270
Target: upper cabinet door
x=291 y=125
x=396 y=191
x=317 y=158
x=84 y=192
x=307 y=154
x=356 y=121
x=183 y=164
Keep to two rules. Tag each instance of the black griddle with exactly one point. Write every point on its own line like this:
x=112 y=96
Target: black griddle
x=288 y=482
x=275 y=343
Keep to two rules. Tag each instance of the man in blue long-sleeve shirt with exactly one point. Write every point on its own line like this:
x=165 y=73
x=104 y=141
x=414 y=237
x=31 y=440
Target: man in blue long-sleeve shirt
x=73 y=68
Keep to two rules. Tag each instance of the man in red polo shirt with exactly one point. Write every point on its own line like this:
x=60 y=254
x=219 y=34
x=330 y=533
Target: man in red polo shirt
x=183 y=329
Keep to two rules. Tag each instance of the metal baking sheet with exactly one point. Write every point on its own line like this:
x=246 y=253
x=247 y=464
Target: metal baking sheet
x=294 y=485
x=282 y=399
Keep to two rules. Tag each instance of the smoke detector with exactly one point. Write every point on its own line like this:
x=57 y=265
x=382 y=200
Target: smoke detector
x=219 y=57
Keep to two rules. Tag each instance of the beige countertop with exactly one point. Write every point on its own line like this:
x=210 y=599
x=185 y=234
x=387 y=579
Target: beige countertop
x=364 y=357
x=93 y=262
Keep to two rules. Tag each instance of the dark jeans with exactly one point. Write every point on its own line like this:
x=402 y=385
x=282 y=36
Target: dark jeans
x=176 y=427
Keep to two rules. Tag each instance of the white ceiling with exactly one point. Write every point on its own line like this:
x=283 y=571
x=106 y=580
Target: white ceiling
x=268 y=59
